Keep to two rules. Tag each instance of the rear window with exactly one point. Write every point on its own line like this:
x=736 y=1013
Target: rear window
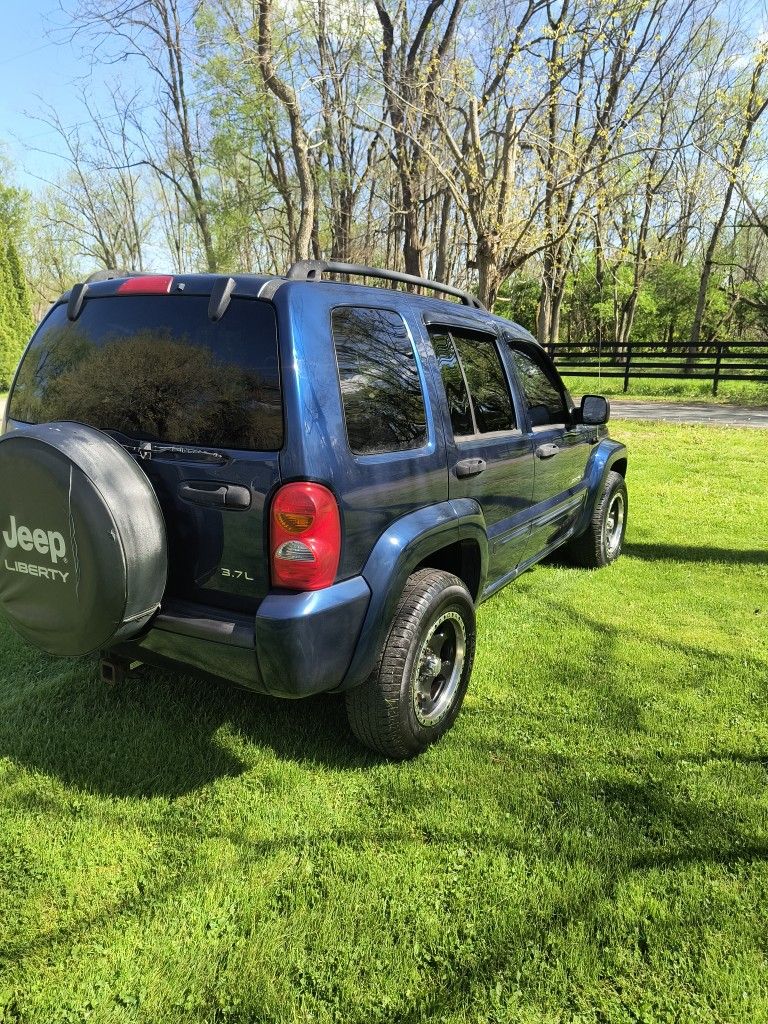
x=155 y=368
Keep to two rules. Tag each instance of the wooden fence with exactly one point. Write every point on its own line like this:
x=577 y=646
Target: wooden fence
x=717 y=361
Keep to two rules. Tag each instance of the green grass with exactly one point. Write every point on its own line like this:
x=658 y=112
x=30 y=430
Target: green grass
x=729 y=392
x=589 y=844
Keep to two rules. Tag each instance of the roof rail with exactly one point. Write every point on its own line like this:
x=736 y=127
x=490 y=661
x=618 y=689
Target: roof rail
x=313 y=270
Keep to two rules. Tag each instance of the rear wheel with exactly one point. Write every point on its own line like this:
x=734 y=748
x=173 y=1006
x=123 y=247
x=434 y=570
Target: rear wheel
x=602 y=542
x=413 y=697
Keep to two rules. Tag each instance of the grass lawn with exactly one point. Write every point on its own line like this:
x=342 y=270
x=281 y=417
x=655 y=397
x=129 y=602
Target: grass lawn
x=589 y=844
x=729 y=393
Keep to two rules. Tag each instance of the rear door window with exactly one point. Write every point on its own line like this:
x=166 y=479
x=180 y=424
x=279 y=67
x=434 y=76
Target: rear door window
x=452 y=374
x=380 y=383
x=475 y=383
x=155 y=368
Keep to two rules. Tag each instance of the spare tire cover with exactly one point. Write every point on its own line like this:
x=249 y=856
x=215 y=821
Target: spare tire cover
x=83 y=561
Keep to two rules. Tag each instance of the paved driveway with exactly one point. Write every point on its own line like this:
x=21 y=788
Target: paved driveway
x=690 y=412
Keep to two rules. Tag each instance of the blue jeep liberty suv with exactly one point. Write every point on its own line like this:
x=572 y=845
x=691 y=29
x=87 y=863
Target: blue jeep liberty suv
x=296 y=483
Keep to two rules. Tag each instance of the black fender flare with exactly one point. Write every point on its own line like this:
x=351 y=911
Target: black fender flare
x=399 y=550
x=602 y=460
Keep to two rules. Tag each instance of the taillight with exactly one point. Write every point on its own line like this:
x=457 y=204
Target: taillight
x=147 y=284
x=305 y=537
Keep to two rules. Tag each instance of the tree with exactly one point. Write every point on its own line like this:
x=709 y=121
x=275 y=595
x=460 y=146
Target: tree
x=605 y=66
x=100 y=201
x=483 y=120
x=156 y=33
x=413 y=52
x=16 y=322
x=250 y=30
x=52 y=253
x=745 y=118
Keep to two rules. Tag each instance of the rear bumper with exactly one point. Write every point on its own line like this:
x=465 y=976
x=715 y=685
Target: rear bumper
x=296 y=645
x=305 y=642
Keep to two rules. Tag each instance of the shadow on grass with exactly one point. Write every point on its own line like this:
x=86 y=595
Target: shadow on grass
x=593 y=835
x=611 y=635
x=156 y=734
x=593 y=829
x=689 y=553
x=637 y=827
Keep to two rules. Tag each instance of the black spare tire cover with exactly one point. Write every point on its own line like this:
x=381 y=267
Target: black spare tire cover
x=83 y=561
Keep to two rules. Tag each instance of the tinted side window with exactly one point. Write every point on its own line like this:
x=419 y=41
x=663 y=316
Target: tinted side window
x=380 y=384
x=470 y=361
x=453 y=381
x=543 y=398
x=487 y=384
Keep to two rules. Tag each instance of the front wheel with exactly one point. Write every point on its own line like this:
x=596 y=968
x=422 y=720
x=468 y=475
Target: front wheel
x=414 y=696
x=603 y=540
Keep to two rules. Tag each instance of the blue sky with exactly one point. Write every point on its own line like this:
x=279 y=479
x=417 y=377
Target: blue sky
x=37 y=66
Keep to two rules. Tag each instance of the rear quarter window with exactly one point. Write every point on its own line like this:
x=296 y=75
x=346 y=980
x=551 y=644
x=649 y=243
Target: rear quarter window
x=155 y=368
x=380 y=383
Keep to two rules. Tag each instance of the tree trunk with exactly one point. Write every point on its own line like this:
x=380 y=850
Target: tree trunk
x=441 y=259
x=487 y=272
x=706 y=272
x=557 y=307
x=544 y=314
x=299 y=142
x=754 y=109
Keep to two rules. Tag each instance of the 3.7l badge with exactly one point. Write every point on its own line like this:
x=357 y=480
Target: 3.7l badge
x=237 y=574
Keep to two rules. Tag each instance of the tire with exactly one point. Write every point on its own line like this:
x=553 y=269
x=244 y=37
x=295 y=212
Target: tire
x=83 y=559
x=399 y=712
x=602 y=541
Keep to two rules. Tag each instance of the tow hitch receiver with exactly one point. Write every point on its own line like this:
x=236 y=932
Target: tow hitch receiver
x=114 y=670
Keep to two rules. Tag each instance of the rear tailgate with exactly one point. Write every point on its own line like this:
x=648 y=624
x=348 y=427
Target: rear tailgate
x=197 y=401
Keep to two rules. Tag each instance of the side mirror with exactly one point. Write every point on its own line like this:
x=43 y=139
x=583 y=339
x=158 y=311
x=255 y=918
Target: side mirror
x=595 y=410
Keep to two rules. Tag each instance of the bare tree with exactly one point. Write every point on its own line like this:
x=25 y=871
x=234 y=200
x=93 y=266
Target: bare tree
x=479 y=149
x=349 y=150
x=735 y=154
x=101 y=199
x=602 y=75
x=412 y=56
x=155 y=32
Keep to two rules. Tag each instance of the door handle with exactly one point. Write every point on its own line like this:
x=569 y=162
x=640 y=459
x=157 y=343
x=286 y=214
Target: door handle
x=546 y=451
x=221 y=496
x=470 y=467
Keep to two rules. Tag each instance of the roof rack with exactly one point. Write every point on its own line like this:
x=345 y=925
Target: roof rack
x=313 y=270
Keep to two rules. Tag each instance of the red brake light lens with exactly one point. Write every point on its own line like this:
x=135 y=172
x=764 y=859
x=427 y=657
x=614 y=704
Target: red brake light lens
x=305 y=537
x=151 y=284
